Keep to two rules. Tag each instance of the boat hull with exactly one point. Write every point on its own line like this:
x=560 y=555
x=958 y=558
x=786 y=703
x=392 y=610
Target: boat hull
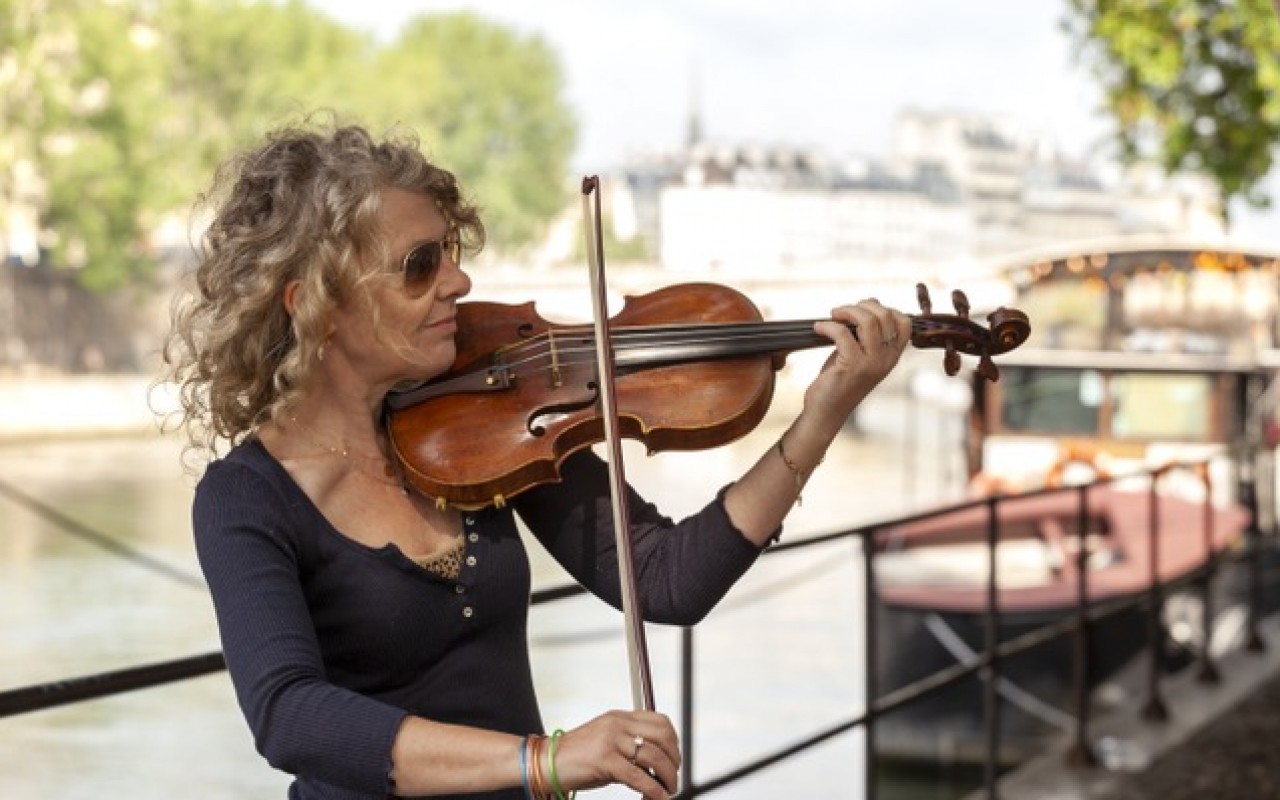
x=1037 y=698
x=925 y=626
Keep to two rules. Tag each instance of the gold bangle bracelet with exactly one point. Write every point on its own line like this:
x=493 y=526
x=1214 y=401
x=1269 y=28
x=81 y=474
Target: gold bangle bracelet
x=798 y=474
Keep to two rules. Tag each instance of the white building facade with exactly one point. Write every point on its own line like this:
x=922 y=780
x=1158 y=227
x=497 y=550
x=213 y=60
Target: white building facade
x=958 y=189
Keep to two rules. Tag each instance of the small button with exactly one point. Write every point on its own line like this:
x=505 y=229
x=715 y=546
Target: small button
x=468 y=612
x=474 y=537
x=471 y=561
x=459 y=588
x=471 y=520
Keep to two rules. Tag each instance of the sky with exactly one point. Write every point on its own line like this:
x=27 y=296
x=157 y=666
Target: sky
x=827 y=73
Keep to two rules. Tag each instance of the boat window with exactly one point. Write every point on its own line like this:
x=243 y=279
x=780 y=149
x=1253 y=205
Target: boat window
x=1160 y=406
x=1051 y=400
x=1068 y=314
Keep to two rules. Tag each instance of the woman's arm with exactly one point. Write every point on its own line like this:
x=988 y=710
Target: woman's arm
x=301 y=723
x=758 y=502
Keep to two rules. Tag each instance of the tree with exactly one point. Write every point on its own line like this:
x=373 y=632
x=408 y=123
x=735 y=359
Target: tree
x=122 y=109
x=238 y=68
x=1192 y=84
x=488 y=104
x=79 y=91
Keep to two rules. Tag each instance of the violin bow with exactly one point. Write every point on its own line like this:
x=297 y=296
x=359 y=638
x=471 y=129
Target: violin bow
x=637 y=649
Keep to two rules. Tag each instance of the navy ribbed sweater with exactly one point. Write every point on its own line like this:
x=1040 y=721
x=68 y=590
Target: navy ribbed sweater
x=330 y=643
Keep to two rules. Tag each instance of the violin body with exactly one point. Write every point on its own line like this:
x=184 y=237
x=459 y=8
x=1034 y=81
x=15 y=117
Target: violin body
x=522 y=395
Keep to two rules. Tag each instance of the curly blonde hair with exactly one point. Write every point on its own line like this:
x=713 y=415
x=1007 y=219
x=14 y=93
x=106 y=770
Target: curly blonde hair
x=302 y=206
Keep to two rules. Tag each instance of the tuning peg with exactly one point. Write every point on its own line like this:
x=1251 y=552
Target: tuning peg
x=922 y=295
x=961 y=303
x=987 y=368
x=951 y=361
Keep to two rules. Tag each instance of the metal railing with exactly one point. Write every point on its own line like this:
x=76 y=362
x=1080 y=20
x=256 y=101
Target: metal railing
x=985 y=665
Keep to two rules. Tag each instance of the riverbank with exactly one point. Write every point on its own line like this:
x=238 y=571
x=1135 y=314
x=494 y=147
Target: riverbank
x=1217 y=744
x=76 y=406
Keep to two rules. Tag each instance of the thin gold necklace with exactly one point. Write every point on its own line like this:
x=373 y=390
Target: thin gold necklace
x=389 y=476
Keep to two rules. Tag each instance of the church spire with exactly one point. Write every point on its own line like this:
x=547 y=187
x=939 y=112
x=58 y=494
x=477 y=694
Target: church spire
x=693 y=132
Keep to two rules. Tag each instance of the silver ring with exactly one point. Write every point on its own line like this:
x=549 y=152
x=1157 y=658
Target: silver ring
x=638 y=742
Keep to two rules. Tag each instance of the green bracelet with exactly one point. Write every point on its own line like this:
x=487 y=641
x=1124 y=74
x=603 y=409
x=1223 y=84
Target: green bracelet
x=551 y=760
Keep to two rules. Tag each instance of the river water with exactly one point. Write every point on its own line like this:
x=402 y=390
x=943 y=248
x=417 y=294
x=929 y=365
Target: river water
x=778 y=660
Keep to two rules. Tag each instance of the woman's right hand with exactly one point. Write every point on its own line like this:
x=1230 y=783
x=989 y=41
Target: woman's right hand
x=639 y=749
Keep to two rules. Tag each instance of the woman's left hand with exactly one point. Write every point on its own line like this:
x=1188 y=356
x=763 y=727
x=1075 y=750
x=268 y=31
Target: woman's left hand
x=859 y=362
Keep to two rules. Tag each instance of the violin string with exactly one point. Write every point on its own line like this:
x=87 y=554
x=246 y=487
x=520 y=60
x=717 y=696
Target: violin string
x=569 y=348
x=571 y=340
x=651 y=337
x=563 y=347
x=657 y=336
x=575 y=346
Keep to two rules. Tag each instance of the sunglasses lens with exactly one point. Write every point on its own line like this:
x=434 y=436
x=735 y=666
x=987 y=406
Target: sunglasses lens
x=423 y=261
x=421 y=264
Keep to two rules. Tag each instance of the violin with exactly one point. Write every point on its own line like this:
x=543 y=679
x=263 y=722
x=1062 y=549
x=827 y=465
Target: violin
x=695 y=366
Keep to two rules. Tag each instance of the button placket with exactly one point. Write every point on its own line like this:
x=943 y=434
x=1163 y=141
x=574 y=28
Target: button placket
x=460 y=589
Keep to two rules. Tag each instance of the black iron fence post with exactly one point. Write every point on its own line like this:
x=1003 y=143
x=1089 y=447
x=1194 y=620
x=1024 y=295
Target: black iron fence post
x=1081 y=752
x=1254 y=548
x=1155 y=708
x=991 y=670
x=686 y=706
x=1208 y=671
x=871 y=681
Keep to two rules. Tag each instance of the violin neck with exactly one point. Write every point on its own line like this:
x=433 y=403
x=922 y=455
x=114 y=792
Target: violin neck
x=656 y=345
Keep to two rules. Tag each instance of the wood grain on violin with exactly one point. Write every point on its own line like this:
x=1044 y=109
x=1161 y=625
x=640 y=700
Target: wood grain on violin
x=695 y=368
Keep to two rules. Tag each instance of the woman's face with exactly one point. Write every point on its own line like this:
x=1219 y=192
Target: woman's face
x=413 y=338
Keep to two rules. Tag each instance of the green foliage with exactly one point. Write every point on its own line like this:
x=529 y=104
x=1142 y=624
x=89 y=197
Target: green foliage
x=487 y=103
x=239 y=68
x=1192 y=84
x=124 y=108
x=100 y=170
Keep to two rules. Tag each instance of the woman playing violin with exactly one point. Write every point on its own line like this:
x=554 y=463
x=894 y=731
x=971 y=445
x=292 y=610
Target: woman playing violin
x=377 y=642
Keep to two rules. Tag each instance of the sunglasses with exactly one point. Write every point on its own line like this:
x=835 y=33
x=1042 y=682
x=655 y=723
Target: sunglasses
x=423 y=262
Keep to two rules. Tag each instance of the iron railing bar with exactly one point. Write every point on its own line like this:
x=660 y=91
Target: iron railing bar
x=752 y=767
x=90 y=687
x=98 y=538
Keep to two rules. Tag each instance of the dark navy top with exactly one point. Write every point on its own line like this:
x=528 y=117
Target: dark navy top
x=331 y=643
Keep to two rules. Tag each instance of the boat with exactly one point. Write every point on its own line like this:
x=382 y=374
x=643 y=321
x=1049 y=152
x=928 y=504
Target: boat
x=934 y=601
x=1112 y=389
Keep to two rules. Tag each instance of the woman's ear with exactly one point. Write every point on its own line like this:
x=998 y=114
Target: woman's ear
x=291 y=296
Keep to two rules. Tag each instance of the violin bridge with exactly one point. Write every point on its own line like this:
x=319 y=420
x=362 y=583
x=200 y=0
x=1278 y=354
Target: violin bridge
x=557 y=380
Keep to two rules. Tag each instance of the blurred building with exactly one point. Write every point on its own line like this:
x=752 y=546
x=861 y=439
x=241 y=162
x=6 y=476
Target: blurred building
x=956 y=188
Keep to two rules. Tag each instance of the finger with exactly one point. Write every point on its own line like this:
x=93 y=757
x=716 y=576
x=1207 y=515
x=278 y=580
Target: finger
x=848 y=342
x=658 y=731
x=902 y=323
x=654 y=760
x=893 y=330
x=648 y=786
x=885 y=326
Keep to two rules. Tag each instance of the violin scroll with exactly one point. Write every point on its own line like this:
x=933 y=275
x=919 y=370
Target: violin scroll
x=957 y=333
